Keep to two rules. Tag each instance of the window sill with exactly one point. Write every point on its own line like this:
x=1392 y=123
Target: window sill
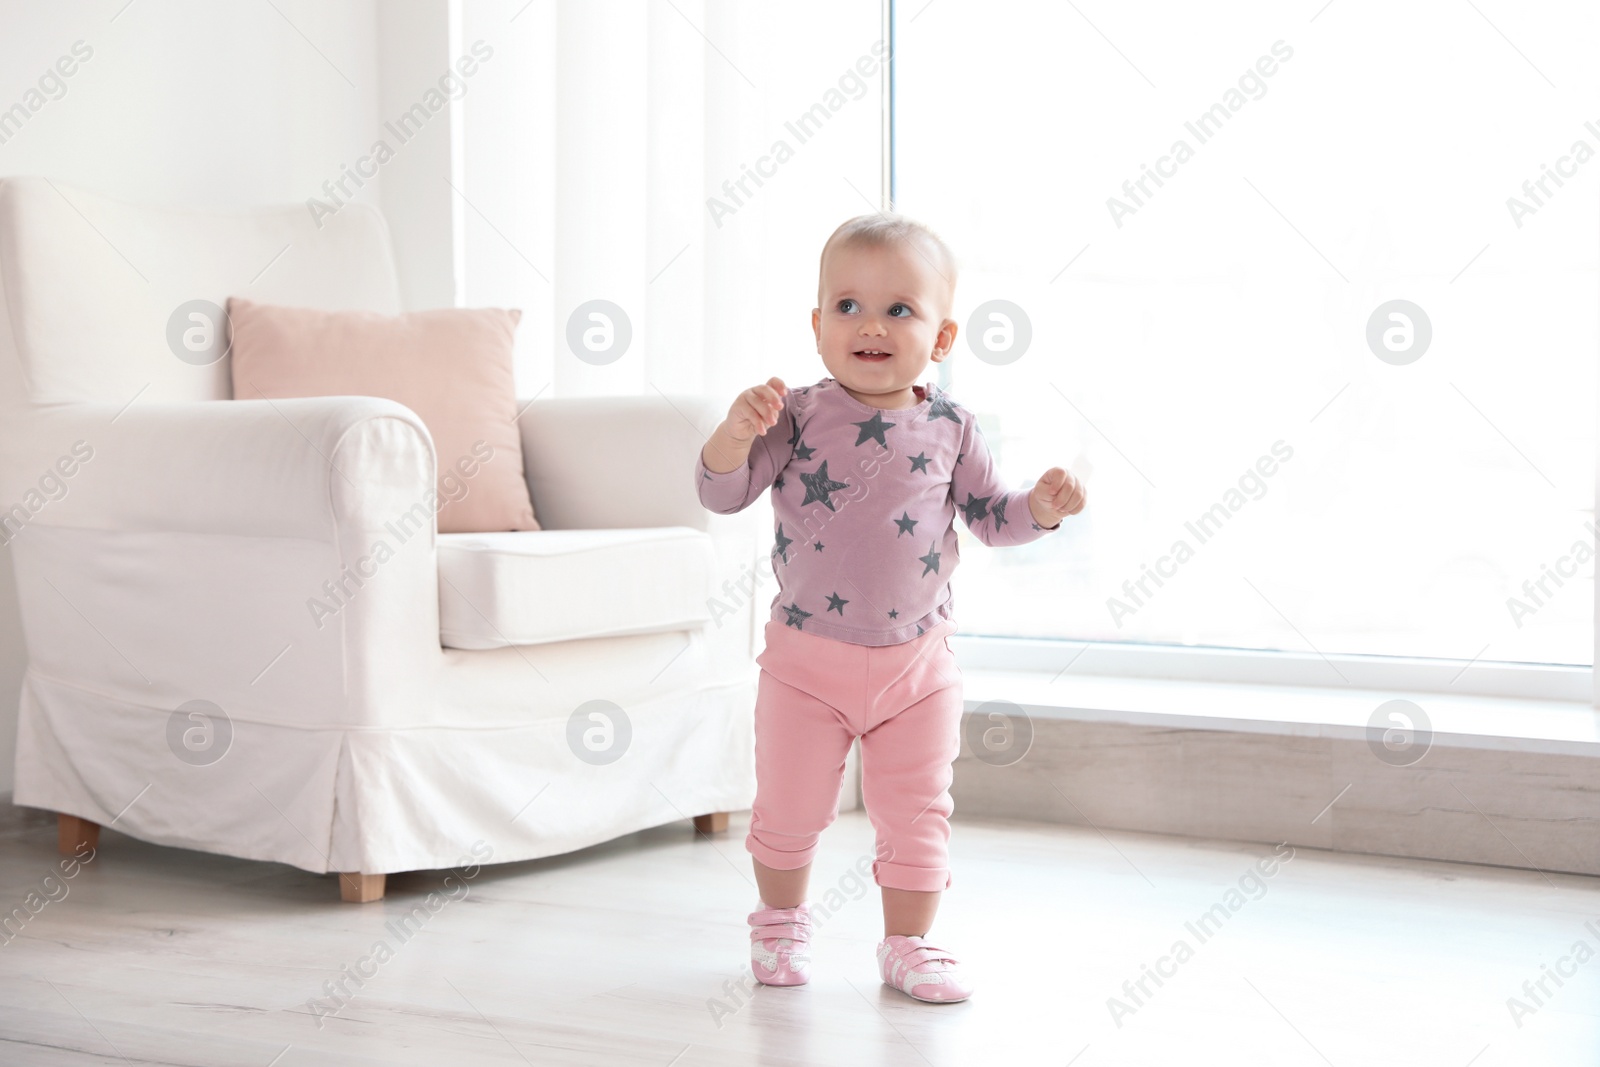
x=1500 y=723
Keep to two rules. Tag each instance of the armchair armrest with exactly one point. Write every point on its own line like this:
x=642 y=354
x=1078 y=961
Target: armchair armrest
x=284 y=468
x=275 y=557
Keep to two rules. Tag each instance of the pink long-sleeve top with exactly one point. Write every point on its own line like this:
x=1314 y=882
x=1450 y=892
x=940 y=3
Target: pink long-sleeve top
x=864 y=502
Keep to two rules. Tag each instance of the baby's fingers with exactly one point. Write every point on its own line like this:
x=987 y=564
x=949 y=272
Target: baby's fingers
x=766 y=402
x=757 y=413
x=1070 y=497
x=1061 y=492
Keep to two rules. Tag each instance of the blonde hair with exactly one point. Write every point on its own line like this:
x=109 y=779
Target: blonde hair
x=882 y=229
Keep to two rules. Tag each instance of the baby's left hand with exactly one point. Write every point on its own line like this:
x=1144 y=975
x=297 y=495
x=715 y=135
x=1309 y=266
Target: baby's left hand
x=1054 y=496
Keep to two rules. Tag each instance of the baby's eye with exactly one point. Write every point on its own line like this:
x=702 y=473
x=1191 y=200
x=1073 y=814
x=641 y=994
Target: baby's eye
x=900 y=311
x=847 y=305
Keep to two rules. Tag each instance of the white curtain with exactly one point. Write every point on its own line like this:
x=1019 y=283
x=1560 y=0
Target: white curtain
x=591 y=143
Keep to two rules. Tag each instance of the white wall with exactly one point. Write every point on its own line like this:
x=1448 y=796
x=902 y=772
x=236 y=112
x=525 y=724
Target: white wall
x=220 y=105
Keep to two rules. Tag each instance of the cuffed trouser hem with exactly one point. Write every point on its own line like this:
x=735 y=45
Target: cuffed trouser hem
x=915 y=879
x=777 y=860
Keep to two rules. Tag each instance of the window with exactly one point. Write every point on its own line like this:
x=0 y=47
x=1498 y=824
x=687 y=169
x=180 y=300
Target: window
x=1309 y=301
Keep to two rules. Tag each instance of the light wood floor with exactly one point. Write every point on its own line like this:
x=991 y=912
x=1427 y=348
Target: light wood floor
x=617 y=955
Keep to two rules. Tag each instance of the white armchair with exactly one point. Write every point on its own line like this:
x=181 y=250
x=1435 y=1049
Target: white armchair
x=169 y=544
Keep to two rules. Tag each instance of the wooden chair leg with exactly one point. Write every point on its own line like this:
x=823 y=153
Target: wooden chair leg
x=73 y=835
x=356 y=888
x=715 y=823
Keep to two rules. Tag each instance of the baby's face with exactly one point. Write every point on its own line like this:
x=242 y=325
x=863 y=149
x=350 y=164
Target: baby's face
x=883 y=315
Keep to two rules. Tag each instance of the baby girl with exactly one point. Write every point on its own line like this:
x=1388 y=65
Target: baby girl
x=867 y=471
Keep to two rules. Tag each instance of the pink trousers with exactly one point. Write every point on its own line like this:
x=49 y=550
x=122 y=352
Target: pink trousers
x=815 y=695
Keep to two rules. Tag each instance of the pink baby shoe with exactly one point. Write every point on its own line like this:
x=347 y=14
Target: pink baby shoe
x=778 y=941
x=921 y=969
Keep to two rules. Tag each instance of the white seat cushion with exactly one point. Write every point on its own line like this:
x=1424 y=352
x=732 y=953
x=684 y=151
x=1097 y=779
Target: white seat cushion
x=540 y=586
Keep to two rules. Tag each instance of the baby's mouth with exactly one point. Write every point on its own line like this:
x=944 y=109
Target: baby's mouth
x=874 y=355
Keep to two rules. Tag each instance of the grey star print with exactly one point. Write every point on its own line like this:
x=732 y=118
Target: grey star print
x=796 y=616
x=873 y=428
x=974 y=509
x=819 y=485
x=905 y=522
x=919 y=462
x=942 y=408
x=835 y=603
x=794 y=438
x=931 y=559
x=783 y=543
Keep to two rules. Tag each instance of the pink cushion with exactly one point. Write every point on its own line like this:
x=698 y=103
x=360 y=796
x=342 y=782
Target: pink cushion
x=451 y=366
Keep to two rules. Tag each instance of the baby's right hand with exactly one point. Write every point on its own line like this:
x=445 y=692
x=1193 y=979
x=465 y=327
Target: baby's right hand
x=755 y=410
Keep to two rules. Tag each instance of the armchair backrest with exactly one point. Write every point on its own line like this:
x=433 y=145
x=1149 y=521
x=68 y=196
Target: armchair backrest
x=93 y=291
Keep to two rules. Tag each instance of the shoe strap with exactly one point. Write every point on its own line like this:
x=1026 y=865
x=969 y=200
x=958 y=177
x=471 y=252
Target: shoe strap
x=795 y=931
x=793 y=923
x=926 y=953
